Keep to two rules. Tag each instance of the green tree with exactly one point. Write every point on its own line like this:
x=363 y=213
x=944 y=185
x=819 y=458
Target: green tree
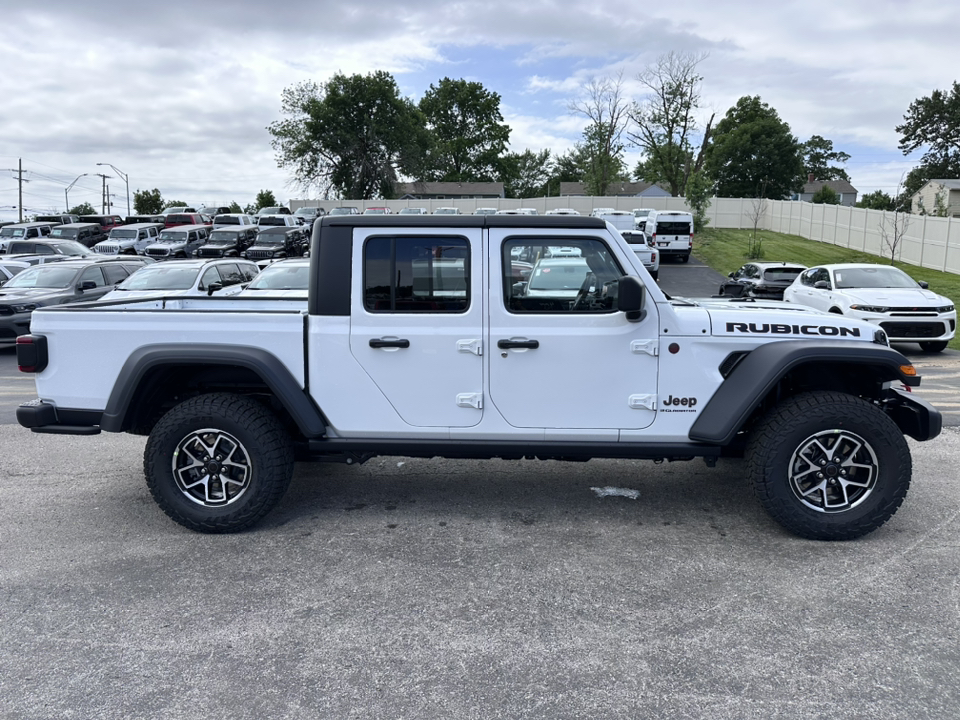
x=753 y=151
x=265 y=198
x=526 y=174
x=174 y=203
x=235 y=207
x=877 y=200
x=354 y=134
x=602 y=103
x=934 y=123
x=468 y=131
x=699 y=189
x=83 y=208
x=664 y=122
x=566 y=168
x=818 y=154
x=826 y=195
x=147 y=202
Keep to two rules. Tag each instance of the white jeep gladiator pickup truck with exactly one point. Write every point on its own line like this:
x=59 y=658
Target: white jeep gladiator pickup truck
x=481 y=337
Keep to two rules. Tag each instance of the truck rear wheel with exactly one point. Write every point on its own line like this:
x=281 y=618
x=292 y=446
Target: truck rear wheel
x=829 y=466
x=218 y=463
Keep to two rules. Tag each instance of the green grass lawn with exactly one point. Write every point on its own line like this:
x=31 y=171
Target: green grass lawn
x=726 y=250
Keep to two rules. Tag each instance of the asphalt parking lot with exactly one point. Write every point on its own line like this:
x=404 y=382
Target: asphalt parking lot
x=408 y=588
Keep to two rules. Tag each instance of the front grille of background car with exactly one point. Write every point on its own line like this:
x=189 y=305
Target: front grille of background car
x=913 y=330
x=210 y=252
x=108 y=249
x=6 y=310
x=158 y=252
x=912 y=312
x=257 y=254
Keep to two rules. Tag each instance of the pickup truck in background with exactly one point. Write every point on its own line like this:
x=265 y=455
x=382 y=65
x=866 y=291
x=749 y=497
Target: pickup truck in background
x=482 y=337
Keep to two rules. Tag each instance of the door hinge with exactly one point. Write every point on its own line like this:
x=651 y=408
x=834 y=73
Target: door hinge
x=649 y=347
x=644 y=402
x=470 y=346
x=470 y=400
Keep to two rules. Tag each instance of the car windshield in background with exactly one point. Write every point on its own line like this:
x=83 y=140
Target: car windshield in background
x=879 y=277
x=161 y=277
x=269 y=220
x=173 y=237
x=278 y=277
x=342 y=211
x=562 y=277
x=118 y=233
x=64 y=232
x=45 y=276
x=224 y=236
x=12 y=232
x=270 y=238
x=227 y=220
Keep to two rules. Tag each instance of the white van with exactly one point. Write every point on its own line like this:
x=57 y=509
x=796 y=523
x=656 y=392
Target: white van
x=671 y=232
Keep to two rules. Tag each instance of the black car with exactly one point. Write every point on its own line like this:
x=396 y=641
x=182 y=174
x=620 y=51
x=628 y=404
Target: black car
x=276 y=242
x=58 y=283
x=765 y=280
x=87 y=234
x=228 y=242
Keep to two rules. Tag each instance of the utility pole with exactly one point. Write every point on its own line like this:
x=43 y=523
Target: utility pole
x=103 y=198
x=126 y=179
x=20 y=181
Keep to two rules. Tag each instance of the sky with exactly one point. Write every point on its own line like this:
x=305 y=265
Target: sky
x=177 y=95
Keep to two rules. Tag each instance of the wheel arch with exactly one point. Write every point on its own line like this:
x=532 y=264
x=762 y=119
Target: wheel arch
x=778 y=370
x=157 y=377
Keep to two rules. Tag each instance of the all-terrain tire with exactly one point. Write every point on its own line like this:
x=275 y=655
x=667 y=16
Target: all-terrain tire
x=218 y=463
x=829 y=466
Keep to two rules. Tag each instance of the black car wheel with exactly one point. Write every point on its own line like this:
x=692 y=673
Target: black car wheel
x=218 y=463
x=829 y=466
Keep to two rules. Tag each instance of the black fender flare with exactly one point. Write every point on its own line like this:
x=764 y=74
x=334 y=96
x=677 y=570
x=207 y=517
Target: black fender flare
x=758 y=373
x=266 y=365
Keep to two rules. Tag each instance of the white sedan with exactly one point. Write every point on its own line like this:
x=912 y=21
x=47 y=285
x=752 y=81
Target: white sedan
x=880 y=294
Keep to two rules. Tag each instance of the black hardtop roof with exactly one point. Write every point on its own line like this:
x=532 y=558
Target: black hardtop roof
x=78 y=225
x=546 y=222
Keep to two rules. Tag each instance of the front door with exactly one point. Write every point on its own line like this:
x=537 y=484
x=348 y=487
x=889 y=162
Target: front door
x=561 y=355
x=416 y=321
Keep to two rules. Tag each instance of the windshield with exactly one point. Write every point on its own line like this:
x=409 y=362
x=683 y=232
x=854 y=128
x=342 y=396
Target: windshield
x=306 y=211
x=342 y=211
x=227 y=220
x=11 y=232
x=173 y=237
x=878 y=277
x=64 y=232
x=445 y=211
x=123 y=233
x=228 y=236
x=641 y=213
x=782 y=274
x=72 y=247
x=278 y=277
x=269 y=238
x=43 y=276
x=161 y=277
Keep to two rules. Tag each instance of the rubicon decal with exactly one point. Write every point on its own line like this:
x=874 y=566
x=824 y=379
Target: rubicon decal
x=783 y=329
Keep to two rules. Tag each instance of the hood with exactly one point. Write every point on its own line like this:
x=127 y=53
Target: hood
x=776 y=319
x=895 y=297
x=14 y=295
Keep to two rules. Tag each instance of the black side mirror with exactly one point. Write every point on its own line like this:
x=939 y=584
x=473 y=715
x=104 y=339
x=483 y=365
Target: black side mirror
x=87 y=285
x=822 y=285
x=214 y=287
x=731 y=275
x=923 y=284
x=630 y=295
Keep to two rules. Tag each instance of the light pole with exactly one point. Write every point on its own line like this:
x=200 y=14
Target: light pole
x=66 y=190
x=126 y=179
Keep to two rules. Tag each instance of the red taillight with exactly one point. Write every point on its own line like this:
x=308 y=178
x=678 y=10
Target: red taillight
x=31 y=353
x=26 y=340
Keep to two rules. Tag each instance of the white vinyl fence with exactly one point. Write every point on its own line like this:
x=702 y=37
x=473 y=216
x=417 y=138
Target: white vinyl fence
x=929 y=242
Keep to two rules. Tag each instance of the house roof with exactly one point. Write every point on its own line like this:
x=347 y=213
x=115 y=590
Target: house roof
x=616 y=189
x=949 y=184
x=491 y=189
x=841 y=186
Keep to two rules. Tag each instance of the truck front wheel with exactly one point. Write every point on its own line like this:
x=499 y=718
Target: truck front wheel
x=829 y=466
x=218 y=463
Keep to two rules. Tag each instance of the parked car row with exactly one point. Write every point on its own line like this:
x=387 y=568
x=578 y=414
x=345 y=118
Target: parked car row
x=26 y=287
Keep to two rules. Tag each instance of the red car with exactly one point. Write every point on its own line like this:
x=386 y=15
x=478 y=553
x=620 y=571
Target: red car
x=175 y=219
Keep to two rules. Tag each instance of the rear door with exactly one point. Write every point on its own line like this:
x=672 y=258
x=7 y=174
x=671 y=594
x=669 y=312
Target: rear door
x=416 y=321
